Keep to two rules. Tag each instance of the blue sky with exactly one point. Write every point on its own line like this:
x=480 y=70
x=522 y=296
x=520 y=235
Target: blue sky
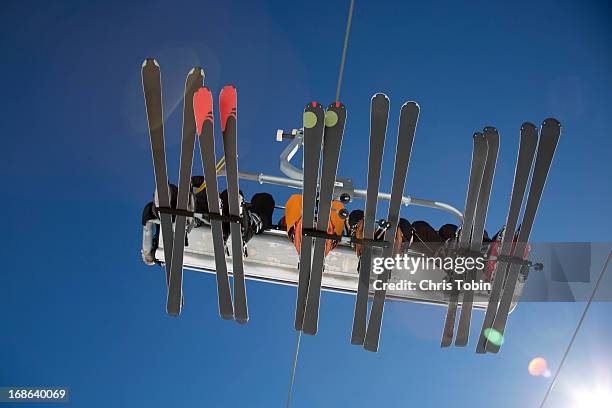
x=80 y=309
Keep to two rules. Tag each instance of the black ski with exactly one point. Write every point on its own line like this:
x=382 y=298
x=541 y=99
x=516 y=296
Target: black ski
x=527 y=146
x=335 y=119
x=314 y=125
x=379 y=115
x=479 y=157
x=492 y=137
x=228 y=105
x=203 y=110
x=409 y=115
x=549 y=138
x=193 y=82
x=151 y=84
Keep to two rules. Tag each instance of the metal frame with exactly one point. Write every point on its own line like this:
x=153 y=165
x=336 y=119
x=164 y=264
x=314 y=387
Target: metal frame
x=295 y=176
x=341 y=280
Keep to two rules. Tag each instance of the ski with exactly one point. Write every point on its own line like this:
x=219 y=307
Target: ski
x=203 y=111
x=492 y=137
x=227 y=108
x=335 y=119
x=549 y=138
x=151 y=84
x=409 y=115
x=479 y=157
x=314 y=125
x=194 y=80
x=527 y=146
x=379 y=116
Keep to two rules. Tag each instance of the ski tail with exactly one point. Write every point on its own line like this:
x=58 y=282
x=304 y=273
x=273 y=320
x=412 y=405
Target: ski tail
x=449 y=320
x=409 y=115
x=151 y=84
x=526 y=152
x=479 y=156
x=379 y=116
x=194 y=81
x=492 y=137
x=203 y=111
x=228 y=110
x=547 y=145
x=335 y=120
x=314 y=125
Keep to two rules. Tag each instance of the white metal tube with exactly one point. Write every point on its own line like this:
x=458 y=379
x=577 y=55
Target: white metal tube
x=288 y=182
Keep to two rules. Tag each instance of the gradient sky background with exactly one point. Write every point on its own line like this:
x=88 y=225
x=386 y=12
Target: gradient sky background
x=80 y=309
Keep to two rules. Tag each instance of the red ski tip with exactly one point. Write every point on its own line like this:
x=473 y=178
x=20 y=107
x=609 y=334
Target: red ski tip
x=202 y=108
x=227 y=104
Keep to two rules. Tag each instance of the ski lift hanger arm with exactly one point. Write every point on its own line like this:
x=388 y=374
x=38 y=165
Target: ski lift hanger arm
x=287 y=154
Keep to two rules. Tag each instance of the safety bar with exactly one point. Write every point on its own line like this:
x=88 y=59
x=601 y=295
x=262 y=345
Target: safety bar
x=344 y=187
x=295 y=177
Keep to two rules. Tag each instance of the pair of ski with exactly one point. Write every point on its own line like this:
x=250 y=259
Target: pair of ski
x=484 y=159
x=379 y=113
x=510 y=263
x=481 y=175
x=197 y=119
x=323 y=131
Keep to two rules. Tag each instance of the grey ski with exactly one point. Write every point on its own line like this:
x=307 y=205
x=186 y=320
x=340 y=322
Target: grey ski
x=379 y=115
x=228 y=105
x=193 y=82
x=335 y=119
x=527 y=146
x=314 y=125
x=479 y=157
x=492 y=137
x=409 y=115
x=151 y=84
x=203 y=110
x=549 y=138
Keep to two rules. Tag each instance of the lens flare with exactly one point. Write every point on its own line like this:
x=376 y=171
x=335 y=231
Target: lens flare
x=538 y=367
x=494 y=336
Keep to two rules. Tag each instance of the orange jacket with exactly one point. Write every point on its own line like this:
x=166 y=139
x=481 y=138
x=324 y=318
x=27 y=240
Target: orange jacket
x=293 y=221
